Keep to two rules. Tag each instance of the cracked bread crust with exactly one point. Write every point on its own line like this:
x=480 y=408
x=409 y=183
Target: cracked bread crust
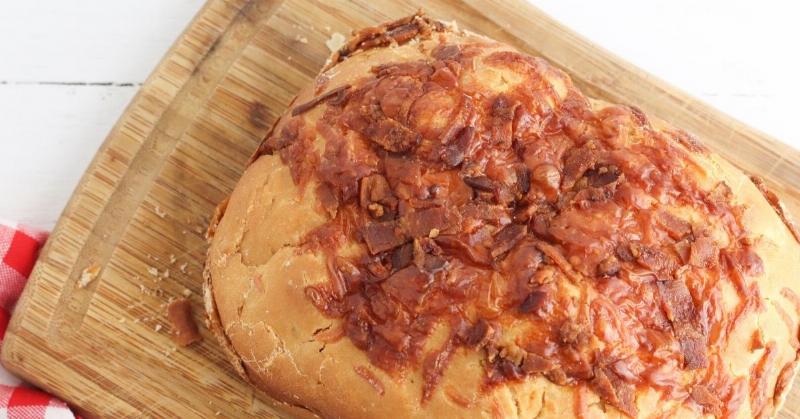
x=258 y=273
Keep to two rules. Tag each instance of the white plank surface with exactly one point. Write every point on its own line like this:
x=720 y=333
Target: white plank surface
x=69 y=67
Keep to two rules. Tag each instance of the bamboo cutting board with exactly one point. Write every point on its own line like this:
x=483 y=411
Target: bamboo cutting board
x=141 y=208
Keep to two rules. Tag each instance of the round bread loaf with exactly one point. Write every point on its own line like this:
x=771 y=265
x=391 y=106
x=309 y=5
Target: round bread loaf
x=442 y=226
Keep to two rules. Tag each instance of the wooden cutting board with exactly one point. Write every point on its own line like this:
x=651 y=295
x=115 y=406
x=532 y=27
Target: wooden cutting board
x=181 y=145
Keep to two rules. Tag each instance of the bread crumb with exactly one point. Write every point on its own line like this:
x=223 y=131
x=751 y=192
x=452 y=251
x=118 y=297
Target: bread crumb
x=217 y=413
x=187 y=292
x=301 y=39
x=157 y=328
x=88 y=275
x=159 y=212
x=183 y=267
x=172 y=259
x=327 y=28
x=170 y=351
x=335 y=42
x=122 y=320
x=179 y=313
x=434 y=233
x=165 y=274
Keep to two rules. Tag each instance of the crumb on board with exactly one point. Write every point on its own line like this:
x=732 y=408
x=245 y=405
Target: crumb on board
x=157 y=328
x=152 y=271
x=179 y=313
x=183 y=267
x=165 y=274
x=335 y=42
x=187 y=292
x=170 y=351
x=172 y=259
x=301 y=39
x=88 y=275
x=159 y=212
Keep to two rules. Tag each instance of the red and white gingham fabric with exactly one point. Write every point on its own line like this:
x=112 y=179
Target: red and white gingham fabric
x=19 y=247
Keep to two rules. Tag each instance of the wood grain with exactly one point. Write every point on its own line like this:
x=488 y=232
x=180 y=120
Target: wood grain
x=179 y=149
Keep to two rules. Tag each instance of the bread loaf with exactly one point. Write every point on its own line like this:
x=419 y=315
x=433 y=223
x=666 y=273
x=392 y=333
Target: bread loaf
x=442 y=226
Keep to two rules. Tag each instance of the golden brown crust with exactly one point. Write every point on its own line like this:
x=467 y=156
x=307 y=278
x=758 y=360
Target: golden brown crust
x=258 y=275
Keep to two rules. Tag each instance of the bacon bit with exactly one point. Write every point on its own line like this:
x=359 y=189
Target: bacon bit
x=703 y=252
x=404 y=175
x=558 y=258
x=759 y=379
x=603 y=176
x=614 y=391
x=639 y=116
x=522 y=262
x=450 y=52
x=402 y=256
x=421 y=223
x=507 y=238
x=478 y=335
x=336 y=95
x=475 y=254
x=534 y=302
x=455 y=151
x=624 y=253
x=392 y=135
x=179 y=313
x=777 y=205
x=680 y=310
x=376 y=195
x=678 y=304
x=408 y=285
x=328 y=199
x=88 y=275
x=757 y=341
x=536 y=364
x=688 y=140
x=578 y=161
x=693 y=345
x=652 y=258
x=481 y=183
x=784 y=379
x=708 y=400
x=683 y=248
x=366 y=374
x=383 y=236
x=675 y=227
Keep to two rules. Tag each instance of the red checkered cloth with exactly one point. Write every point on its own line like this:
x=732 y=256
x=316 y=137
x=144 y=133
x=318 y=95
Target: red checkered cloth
x=19 y=247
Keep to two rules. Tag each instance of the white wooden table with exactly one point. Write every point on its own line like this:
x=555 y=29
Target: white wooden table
x=68 y=68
